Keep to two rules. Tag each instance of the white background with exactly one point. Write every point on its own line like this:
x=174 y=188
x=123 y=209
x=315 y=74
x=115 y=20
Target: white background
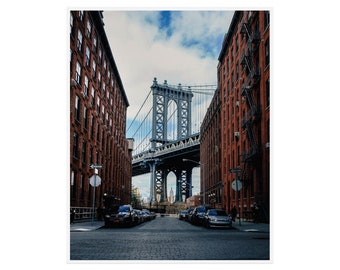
x=35 y=133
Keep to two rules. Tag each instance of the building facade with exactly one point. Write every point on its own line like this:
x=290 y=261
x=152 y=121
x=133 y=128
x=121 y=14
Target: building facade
x=244 y=80
x=210 y=154
x=98 y=106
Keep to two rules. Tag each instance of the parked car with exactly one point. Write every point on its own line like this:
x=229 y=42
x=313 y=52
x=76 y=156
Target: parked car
x=140 y=217
x=188 y=215
x=198 y=215
x=217 y=218
x=124 y=216
x=152 y=215
x=182 y=214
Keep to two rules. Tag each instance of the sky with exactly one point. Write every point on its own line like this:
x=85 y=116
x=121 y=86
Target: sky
x=177 y=46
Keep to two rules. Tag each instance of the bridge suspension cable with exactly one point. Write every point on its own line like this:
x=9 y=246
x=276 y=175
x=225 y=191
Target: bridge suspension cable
x=140 y=127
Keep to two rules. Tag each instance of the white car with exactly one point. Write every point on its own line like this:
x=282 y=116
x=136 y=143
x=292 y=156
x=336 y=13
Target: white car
x=217 y=218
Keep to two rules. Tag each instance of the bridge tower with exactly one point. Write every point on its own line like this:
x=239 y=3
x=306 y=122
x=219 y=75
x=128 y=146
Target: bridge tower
x=162 y=95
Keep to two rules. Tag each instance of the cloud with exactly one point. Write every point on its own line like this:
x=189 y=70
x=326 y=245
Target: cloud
x=179 y=47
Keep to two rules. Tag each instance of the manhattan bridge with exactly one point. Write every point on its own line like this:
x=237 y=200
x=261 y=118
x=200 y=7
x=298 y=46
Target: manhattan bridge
x=166 y=136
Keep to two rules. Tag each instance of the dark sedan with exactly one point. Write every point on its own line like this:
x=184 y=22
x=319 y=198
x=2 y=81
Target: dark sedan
x=124 y=216
x=198 y=215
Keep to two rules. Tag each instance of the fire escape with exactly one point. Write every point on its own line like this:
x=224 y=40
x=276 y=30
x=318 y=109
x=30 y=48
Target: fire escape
x=249 y=92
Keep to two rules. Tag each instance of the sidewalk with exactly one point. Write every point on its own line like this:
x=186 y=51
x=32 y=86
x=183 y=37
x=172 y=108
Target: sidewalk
x=247 y=226
x=86 y=226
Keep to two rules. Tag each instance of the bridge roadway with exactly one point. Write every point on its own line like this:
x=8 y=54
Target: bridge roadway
x=169 y=156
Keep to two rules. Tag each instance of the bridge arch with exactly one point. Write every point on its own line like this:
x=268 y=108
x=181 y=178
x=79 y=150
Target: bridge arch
x=162 y=94
x=171 y=123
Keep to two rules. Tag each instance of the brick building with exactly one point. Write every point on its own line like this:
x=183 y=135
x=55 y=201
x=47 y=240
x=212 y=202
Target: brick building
x=243 y=79
x=98 y=105
x=210 y=154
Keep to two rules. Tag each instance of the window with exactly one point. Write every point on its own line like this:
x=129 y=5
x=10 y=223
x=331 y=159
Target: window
x=91 y=156
x=232 y=80
x=85 y=117
x=236 y=42
x=78 y=72
x=88 y=28
x=83 y=152
x=75 y=145
x=92 y=127
x=105 y=65
x=100 y=55
x=237 y=71
x=266 y=45
x=87 y=51
x=103 y=112
x=228 y=87
x=82 y=186
x=72 y=178
x=92 y=96
x=81 y=15
x=268 y=92
x=98 y=105
x=73 y=184
x=232 y=108
x=95 y=42
x=71 y=22
x=224 y=95
x=86 y=85
x=77 y=108
x=266 y=19
x=93 y=69
x=99 y=78
x=79 y=40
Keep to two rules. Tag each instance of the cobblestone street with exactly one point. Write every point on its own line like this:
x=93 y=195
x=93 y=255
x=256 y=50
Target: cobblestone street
x=167 y=238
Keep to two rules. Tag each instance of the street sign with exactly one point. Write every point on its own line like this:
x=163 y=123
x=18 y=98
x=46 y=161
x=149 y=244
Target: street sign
x=95 y=180
x=96 y=166
x=236 y=185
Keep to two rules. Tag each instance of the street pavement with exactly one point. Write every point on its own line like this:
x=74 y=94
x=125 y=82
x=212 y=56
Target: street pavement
x=245 y=226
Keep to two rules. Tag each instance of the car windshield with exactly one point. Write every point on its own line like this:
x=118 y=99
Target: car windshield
x=124 y=209
x=201 y=209
x=217 y=213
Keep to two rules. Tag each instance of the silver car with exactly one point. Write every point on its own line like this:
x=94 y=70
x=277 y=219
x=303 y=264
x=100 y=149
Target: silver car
x=217 y=218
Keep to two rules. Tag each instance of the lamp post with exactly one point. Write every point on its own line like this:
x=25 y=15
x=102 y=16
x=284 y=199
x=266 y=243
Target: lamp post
x=203 y=178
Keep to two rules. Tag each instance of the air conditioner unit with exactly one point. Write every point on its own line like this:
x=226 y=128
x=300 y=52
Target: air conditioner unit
x=237 y=134
x=237 y=103
x=267 y=145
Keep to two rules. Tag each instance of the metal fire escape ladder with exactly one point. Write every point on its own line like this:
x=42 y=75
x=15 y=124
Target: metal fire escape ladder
x=248 y=88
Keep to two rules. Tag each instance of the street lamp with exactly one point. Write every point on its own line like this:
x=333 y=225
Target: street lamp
x=203 y=178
